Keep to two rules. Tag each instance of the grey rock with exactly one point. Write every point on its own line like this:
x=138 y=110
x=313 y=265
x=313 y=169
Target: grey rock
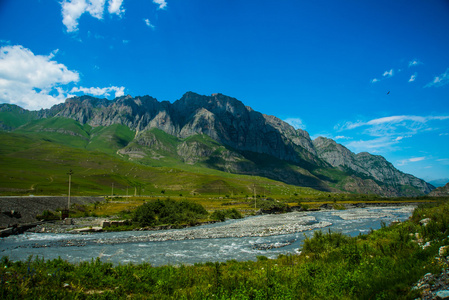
x=444 y=294
x=442 y=191
x=369 y=170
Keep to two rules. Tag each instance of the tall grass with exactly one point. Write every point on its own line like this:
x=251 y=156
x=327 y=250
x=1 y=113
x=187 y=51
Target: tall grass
x=381 y=265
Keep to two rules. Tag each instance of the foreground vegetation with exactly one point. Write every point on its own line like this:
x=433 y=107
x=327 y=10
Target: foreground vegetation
x=381 y=265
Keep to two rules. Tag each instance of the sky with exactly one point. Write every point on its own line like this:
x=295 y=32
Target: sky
x=372 y=75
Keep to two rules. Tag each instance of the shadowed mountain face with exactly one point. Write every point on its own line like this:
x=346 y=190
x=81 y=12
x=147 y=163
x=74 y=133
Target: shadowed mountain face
x=220 y=132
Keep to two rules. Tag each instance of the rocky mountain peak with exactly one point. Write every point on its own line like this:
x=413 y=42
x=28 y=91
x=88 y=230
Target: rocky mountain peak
x=230 y=123
x=366 y=165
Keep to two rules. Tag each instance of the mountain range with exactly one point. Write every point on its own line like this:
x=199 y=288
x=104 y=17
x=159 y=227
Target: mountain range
x=216 y=132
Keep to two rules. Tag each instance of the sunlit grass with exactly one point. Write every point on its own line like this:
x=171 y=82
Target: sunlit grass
x=384 y=264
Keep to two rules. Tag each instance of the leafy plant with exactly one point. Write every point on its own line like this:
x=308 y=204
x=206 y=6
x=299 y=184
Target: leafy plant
x=158 y=212
x=224 y=214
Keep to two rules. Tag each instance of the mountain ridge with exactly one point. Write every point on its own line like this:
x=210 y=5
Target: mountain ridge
x=247 y=141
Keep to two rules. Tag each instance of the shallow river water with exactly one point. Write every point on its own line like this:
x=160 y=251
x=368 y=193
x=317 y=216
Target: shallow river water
x=245 y=239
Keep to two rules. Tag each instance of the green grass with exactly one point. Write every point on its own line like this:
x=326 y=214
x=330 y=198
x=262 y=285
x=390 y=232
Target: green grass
x=35 y=158
x=32 y=165
x=12 y=116
x=110 y=139
x=381 y=265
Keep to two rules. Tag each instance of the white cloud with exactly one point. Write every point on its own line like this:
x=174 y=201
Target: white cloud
x=443 y=161
x=397 y=119
x=392 y=120
x=372 y=146
x=415 y=159
x=32 y=81
x=388 y=131
x=410 y=160
x=118 y=91
x=73 y=9
x=443 y=134
x=399 y=138
x=388 y=73
x=296 y=123
x=148 y=23
x=342 y=137
x=95 y=8
x=115 y=7
x=413 y=63
x=441 y=80
x=412 y=78
x=162 y=3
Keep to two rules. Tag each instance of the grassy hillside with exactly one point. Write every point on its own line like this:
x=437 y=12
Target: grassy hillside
x=31 y=164
x=110 y=139
x=36 y=156
x=12 y=116
x=58 y=130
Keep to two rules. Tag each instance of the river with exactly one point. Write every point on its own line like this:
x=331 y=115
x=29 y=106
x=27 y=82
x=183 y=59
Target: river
x=244 y=239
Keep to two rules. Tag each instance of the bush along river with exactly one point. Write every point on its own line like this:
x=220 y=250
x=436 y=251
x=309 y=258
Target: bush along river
x=243 y=239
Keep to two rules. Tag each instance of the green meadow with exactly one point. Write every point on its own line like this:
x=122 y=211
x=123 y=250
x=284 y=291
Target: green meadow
x=36 y=158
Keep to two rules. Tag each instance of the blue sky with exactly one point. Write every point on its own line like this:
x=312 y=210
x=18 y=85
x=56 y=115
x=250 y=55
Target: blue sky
x=373 y=75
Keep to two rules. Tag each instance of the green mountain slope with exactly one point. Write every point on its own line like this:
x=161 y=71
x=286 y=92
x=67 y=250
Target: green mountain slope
x=13 y=116
x=110 y=139
x=32 y=165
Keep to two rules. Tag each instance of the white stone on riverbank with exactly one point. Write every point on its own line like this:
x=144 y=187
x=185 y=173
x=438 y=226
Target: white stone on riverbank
x=266 y=225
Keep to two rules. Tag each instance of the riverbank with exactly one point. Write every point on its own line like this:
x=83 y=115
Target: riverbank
x=385 y=264
x=262 y=225
x=256 y=226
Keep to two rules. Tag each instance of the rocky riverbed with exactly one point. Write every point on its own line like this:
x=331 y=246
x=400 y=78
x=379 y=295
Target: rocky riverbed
x=260 y=226
x=242 y=239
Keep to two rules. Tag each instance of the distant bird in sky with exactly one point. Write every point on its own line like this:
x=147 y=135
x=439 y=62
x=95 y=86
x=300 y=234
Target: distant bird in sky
x=388 y=92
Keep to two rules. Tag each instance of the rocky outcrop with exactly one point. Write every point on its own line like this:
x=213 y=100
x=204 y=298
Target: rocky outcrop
x=225 y=119
x=368 y=166
x=442 y=191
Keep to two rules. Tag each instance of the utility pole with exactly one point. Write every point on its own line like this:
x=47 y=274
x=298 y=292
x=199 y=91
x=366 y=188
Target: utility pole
x=112 y=191
x=70 y=183
x=255 y=197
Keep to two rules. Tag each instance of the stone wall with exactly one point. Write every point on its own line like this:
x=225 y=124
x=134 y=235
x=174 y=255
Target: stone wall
x=20 y=210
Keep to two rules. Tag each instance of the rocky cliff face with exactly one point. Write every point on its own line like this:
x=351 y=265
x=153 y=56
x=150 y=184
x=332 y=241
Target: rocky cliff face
x=225 y=119
x=367 y=166
x=442 y=191
x=244 y=140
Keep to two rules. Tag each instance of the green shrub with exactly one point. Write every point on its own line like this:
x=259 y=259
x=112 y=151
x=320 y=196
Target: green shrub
x=166 y=212
x=48 y=215
x=272 y=205
x=224 y=214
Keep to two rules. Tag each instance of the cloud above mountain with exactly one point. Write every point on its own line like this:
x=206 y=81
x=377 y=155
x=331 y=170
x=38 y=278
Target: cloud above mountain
x=38 y=81
x=32 y=81
x=387 y=132
x=297 y=123
x=95 y=91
